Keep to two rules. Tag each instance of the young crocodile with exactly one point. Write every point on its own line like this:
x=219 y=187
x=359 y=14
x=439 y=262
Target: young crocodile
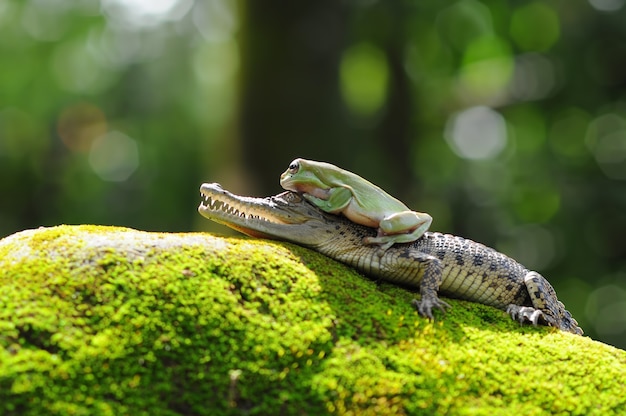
x=454 y=266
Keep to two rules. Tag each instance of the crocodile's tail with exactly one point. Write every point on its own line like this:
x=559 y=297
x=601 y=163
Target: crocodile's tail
x=567 y=321
x=543 y=297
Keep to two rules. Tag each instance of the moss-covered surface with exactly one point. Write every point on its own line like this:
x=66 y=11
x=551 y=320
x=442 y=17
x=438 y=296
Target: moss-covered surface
x=102 y=320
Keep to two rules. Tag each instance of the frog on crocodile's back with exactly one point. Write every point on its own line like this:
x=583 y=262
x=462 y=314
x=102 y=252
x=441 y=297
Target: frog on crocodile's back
x=335 y=190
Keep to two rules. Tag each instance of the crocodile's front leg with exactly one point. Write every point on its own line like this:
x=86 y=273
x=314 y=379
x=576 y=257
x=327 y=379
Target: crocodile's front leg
x=546 y=307
x=429 y=283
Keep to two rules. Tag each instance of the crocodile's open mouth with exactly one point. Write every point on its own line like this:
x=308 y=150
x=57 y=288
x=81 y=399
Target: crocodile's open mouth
x=286 y=216
x=270 y=217
x=217 y=203
x=211 y=203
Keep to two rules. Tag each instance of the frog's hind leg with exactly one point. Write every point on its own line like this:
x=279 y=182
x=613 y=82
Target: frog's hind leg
x=402 y=227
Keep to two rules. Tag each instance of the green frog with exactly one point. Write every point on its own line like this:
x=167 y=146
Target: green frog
x=335 y=190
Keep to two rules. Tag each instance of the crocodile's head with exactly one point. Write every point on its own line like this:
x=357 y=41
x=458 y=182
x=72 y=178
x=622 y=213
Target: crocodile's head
x=286 y=216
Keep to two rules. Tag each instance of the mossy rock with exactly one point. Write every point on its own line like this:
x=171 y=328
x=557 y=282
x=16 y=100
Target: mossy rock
x=102 y=320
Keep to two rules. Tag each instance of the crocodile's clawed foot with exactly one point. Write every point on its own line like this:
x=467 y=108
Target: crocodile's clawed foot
x=425 y=306
x=523 y=314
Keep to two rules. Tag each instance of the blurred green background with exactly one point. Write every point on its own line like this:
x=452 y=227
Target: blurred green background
x=505 y=120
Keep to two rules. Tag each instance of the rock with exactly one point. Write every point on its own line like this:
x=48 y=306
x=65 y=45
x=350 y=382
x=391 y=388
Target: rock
x=105 y=320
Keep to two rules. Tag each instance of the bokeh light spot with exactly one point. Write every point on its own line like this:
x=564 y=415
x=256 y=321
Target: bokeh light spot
x=477 y=133
x=535 y=27
x=606 y=309
x=45 y=20
x=528 y=126
x=567 y=134
x=78 y=71
x=215 y=67
x=532 y=245
x=216 y=20
x=536 y=202
x=114 y=156
x=487 y=69
x=465 y=21
x=534 y=77
x=135 y=14
x=79 y=125
x=606 y=138
x=607 y=5
x=364 y=78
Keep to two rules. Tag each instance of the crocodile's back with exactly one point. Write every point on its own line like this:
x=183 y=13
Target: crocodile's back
x=459 y=268
x=475 y=272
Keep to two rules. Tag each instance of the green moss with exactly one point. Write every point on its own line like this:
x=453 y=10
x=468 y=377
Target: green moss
x=102 y=320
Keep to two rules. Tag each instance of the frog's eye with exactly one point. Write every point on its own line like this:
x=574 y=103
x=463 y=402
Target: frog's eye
x=294 y=166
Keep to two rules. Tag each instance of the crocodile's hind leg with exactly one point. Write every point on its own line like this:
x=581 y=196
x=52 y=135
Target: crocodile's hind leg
x=546 y=309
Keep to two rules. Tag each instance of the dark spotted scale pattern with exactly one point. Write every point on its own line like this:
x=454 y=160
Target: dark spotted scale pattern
x=459 y=268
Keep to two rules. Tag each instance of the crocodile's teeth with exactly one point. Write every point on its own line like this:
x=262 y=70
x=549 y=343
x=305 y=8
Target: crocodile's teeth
x=212 y=204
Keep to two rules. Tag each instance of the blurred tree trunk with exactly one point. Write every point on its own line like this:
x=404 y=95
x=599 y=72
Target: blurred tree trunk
x=395 y=135
x=289 y=86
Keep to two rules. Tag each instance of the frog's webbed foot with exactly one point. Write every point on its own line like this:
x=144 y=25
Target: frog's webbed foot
x=382 y=246
x=386 y=239
x=383 y=241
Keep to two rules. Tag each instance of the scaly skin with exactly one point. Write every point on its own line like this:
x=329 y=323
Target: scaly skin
x=436 y=263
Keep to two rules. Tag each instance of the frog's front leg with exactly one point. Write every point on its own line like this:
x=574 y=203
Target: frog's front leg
x=402 y=227
x=338 y=199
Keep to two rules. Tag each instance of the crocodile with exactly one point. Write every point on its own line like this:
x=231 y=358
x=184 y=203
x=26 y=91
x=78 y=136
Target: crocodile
x=436 y=263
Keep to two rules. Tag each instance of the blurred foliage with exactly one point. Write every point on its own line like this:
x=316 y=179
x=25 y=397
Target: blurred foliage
x=504 y=120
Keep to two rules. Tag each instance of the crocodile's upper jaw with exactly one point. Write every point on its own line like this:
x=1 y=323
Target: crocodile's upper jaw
x=286 y=216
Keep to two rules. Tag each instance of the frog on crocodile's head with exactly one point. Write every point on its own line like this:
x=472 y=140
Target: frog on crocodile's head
x=336 y=191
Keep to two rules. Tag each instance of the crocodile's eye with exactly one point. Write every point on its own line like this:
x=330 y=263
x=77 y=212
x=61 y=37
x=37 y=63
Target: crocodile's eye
x=294 y=166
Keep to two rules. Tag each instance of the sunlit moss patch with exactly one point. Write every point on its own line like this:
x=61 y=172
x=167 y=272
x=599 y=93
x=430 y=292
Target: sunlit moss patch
x=103 y=320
